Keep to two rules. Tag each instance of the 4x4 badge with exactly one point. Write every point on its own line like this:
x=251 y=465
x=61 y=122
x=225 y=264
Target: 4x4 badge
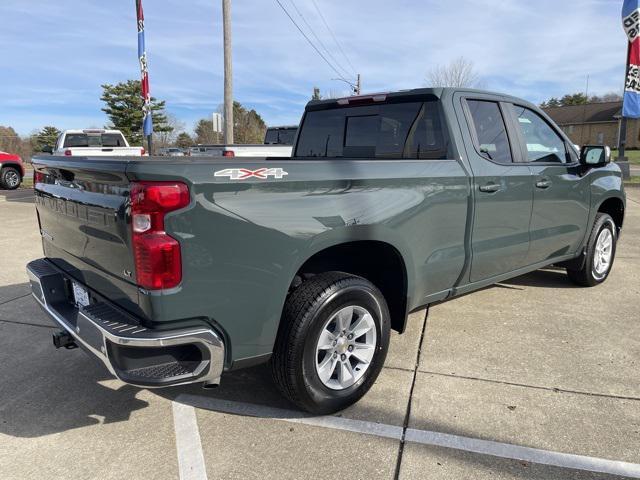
x=243 y=173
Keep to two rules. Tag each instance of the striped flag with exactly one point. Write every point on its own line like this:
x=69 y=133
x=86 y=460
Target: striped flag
x=147 y=123
x=631 y=25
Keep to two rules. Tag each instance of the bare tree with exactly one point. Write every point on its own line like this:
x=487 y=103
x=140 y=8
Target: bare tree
x=458 y=73
x=168 y=137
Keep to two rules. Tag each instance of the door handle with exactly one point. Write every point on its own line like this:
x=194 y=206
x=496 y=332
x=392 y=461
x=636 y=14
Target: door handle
x=544 y=183
x=490 y=188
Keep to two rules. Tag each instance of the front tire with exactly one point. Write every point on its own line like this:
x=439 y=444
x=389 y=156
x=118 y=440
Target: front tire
x=600 y=254
x=332 y=343
x=10 y=178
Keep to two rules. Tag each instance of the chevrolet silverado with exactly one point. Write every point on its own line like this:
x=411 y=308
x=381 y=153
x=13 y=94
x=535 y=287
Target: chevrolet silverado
x=175 y=270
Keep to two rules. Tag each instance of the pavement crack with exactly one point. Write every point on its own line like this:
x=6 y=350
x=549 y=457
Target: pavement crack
x=13 y=322
x=535 y=387
x=399 y=369
x=407 y=416
x=14 y=299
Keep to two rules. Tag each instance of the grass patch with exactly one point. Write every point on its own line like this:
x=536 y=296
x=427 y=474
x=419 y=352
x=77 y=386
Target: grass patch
x=632 y=155
x=633 y=181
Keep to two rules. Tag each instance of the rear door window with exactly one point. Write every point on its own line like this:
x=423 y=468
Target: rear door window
x=409 y=130
x=490 y=131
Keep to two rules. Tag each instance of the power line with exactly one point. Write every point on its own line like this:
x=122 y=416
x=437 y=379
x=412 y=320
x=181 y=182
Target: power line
x=337 y=63
x=333 y=35
x=311 y=43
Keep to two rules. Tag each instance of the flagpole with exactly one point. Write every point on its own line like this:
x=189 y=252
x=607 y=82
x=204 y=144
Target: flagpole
x=622 y=137
x=147 y=112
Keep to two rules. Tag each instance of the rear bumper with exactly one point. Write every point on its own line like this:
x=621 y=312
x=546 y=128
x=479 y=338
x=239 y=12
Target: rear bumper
x=133 y=353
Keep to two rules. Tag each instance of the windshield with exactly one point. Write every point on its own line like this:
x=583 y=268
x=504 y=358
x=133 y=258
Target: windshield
x=96 y=140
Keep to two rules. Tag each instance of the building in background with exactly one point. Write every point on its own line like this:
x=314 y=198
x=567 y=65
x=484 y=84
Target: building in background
x=595 y=124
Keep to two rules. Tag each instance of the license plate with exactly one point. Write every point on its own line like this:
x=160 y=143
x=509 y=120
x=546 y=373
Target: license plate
x=80 y=295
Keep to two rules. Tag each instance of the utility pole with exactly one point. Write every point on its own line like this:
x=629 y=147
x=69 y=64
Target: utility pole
x=358 y=86
x=228 y=73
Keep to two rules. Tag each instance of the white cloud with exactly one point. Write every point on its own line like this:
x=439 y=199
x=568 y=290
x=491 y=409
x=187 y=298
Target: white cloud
x=59 y=54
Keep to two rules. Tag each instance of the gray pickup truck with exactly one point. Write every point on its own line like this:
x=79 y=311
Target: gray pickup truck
x=175 y=270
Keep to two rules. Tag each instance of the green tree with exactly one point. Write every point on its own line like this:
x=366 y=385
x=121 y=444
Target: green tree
x=552 y=102
x=124 y=108
x=47 y=136
x=205 y=134
x=249 y=126
x=574 y=99
x=184 y=140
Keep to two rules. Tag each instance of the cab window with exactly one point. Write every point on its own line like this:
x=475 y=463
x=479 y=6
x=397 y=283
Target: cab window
x=490 y=131
x=405 y=130
x=544 y=145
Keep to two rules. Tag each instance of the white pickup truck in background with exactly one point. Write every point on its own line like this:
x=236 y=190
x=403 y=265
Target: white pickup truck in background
x=92 y=143
x=278 y=142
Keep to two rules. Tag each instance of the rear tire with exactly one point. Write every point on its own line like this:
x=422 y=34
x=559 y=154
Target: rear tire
x=332 y=342
x=10 y=178
x=600 y=254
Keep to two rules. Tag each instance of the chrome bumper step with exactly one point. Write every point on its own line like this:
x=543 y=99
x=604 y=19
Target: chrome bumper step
x=133 y=353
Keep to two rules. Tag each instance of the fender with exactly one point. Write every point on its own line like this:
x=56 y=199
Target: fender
x=17 y=165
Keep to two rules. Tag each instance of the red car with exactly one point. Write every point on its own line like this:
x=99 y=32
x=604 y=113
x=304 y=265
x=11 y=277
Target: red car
x=11 y=171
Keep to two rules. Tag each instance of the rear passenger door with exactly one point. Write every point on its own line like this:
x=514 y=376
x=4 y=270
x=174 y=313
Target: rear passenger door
x=503 y=191
x=561 y=193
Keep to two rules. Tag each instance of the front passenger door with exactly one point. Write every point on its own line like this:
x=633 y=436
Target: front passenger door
x=561 y=193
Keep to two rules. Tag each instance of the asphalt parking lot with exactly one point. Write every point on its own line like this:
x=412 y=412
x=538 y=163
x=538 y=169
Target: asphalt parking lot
x=532 y=378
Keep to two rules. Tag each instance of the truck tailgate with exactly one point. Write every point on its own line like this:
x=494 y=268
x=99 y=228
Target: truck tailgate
x=82 y=211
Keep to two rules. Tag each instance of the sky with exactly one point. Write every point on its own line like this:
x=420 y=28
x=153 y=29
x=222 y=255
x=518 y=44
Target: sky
x=55 y=55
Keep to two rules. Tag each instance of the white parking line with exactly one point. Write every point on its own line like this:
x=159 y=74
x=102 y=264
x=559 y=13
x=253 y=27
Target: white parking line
x=189 y=448
x=425 y=437
x=515 y=452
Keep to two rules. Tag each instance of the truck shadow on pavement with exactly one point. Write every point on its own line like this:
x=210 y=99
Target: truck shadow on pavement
x=550 y=277
x=49 y=391
x=44 y=390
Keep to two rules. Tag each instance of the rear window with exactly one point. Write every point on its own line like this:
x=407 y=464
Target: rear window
x=107 y=140
x=280 y=136
x=412 y=130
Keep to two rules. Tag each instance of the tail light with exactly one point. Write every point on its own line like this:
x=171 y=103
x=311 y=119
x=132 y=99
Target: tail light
x=142 y=151
x=157 y=255
x=38 y=177
x=68 y=153
x=228 y=153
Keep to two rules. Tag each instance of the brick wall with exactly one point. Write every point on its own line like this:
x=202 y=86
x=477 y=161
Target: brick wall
x=603 y=133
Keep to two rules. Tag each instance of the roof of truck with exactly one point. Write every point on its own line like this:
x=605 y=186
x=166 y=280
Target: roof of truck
x=91 y=130
x=383 y=96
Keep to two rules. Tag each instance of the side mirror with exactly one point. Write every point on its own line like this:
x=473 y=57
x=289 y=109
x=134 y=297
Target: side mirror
x=47 y=149
x=595 y=155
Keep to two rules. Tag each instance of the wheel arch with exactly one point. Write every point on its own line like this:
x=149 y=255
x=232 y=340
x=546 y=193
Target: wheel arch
x=615 y=207
x=378 y=261
x=13 y=164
